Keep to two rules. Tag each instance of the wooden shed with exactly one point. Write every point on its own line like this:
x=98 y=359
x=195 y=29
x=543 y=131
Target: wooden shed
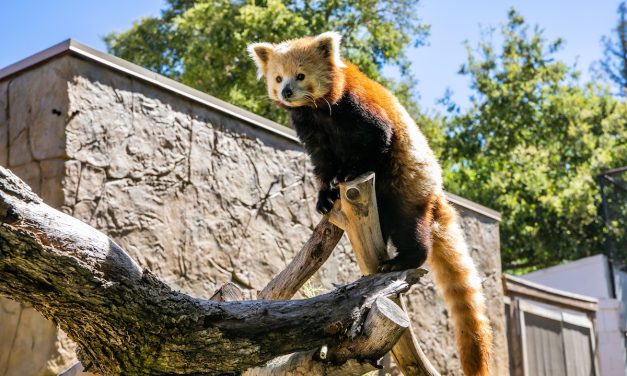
x=550 y=332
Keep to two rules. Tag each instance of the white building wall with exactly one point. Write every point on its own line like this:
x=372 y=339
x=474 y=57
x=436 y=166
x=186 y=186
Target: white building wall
x=588 y=276
x=591 y=276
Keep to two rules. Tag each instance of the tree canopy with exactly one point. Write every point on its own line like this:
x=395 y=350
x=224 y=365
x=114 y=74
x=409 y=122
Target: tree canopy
x=531 y=144
x=202 y=43
x=614 y=62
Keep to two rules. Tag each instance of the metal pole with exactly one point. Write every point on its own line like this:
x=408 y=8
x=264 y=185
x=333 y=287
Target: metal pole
x=606 y=219
x=610 y=238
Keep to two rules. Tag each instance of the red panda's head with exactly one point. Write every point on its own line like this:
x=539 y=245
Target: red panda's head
x=301 y=72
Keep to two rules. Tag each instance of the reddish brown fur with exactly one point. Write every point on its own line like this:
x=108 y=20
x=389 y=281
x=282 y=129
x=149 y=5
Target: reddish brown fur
x=378 y=100
x=454 y=274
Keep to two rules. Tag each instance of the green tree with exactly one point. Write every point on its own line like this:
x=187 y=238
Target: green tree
x=531 y=144
x=614 y=62
x=202 y=43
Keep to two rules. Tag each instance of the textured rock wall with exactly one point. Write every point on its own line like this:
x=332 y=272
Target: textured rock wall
x=193 y=195
x=196 y=196
x=32 y=145
x=430 y=316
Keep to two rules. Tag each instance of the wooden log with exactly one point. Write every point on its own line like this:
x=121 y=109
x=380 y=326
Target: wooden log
x=126 y=321
x=310 y=258
x=305 y=364
x=359 y=217
x=355 y=355
x=229 y=292
x=384 y=325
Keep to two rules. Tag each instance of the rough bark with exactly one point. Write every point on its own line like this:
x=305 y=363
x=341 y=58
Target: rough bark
x=384 y=325
x=355 y=355
x=127 y=321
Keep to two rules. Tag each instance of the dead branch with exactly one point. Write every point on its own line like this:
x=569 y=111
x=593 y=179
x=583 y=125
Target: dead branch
x=355 y=355
x=128 y=322
x=356 y=213
x=310 y=258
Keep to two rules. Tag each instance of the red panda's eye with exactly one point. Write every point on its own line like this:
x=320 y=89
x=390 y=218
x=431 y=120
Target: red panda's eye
x=300 y=77
x=279 y=79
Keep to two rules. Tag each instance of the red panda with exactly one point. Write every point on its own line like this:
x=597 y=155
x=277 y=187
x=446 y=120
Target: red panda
x=350 y=125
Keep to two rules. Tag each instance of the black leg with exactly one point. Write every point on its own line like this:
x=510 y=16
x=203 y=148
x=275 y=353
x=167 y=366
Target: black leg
x=326 y=199
x=411 y=235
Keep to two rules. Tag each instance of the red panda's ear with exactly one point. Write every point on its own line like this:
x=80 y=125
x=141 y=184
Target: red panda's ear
x=329 y=46
x=260 y=53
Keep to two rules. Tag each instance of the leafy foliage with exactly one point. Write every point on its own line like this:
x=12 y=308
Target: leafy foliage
x=530 y=146
x=202 y=43
x=614 y=62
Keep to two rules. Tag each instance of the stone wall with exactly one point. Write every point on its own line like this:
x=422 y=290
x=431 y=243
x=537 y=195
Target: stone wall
x=30 y=344
x=197 y=196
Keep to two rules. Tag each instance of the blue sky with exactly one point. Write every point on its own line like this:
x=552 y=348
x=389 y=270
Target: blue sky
x=29 y=26
x=580 y=23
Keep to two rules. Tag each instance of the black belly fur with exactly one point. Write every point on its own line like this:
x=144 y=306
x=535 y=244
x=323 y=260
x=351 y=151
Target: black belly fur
x=347 y=140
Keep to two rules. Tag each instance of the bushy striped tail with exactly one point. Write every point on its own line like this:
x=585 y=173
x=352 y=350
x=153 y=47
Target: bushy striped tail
x=457 y=278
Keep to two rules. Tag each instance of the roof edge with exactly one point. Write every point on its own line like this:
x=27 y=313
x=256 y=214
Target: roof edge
x=478 y=208
x=35 y=59
x=548 y=290
x=78 y=49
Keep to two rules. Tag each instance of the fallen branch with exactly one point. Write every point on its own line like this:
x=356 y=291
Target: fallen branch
x=307 y=364
x=356 y=213
x=128 y=322
x=355 y=355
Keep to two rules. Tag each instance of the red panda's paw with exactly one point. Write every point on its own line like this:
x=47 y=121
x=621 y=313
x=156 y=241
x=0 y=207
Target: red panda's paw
x=326 y=199
x=398 y=263
x=344 y=177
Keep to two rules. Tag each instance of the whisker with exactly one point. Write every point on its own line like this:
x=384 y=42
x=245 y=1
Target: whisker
x=329 y=104
x=311 y=98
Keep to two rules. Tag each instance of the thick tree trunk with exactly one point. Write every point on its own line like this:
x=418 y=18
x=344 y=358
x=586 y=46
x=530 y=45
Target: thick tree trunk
x=127 y=321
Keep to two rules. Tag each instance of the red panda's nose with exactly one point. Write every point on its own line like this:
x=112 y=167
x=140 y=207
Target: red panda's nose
x=287 y=92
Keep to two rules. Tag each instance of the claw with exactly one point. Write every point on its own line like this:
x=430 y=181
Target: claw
x=326 y=199
x=393 y=265
x=321 y=209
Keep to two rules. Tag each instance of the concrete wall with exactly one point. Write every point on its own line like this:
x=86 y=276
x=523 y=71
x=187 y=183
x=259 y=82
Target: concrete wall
x=32 y=146
x=193 y=194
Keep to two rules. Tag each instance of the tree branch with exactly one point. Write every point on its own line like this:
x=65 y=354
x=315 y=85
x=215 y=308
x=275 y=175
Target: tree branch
x=358 y=215
x=306 y=262
x=355 y=355
x=128 y=322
